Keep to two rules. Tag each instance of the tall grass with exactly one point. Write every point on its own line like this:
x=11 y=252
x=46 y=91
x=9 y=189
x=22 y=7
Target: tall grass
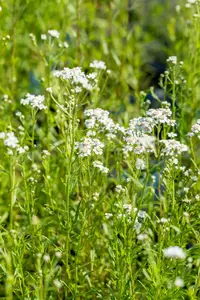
x=99 y=170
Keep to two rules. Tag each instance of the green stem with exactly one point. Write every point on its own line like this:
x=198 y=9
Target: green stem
x=13 y=191
x=71 y=134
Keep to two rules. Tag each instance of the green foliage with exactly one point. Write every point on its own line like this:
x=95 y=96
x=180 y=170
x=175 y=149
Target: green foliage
x=95 y=185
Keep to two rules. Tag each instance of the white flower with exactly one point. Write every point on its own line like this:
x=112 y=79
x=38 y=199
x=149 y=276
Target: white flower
x=194 y=178
x=58 y=254
x=89 y=146
x=36 y=101
x=2 y=135
x=19 y=114
x=54 y=33
x=174 y=252
x=142 y=236
x=195 y=130
x=66 y=45
x=45 y=153
x=172 y=59
x=172 y=135
x=32 y=36
x=99 y=120
x=77 y=90
x=98 y=64
x=20 y=150
x=141 y=125
x=186 y=214
x=108 y=215
x=11 y=140
x=95 y=196
x=92 y=75
x=137 y=226
x=173 y=148
x=57 y=283
x=43 y=37
x=10 y=152
x=35 y=220
x=119 y=189
x=98 y=164
x=160 y=116
x=49 y=89
x=179 y=282
x=76 y=77
x=46 y=258
x=127 y=207
x=163 y=220
x=142 y=214
x=140 y=164
x=141 y=144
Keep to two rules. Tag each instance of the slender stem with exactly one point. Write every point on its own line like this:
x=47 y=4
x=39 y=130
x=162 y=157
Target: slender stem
x=71 y=133
x=13 y=52
x=173 y=195
x=13 y=191
x=33 y=134
x=78 y=31
x=174 y=94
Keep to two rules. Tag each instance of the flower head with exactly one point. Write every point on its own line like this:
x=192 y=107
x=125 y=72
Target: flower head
x=89 y=146
x=174 y=252
x=54 y=33
x=98 y=64
x=11 y=141
x=179 y=282
x=36 y=101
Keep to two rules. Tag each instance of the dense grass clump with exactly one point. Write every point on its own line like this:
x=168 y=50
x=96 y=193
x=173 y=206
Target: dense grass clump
x=99 y=149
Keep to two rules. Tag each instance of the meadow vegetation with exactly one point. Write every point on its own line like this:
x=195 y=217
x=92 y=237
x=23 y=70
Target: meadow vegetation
x=99 y=149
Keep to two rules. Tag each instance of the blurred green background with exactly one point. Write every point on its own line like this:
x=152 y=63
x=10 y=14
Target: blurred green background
x=133 y=37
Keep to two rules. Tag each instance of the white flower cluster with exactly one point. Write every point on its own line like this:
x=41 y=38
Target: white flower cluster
x=173 y=148
x=154 y=118
x=77 y=78
x=141 y=125
x=172 y=59
x=137 y=136
x=98 y=64
x=99 y=120
x=108 y=215
x=172 y=135
x=140 y=164
x=11 y=141
x=45 y=154
x=89 y=146
x=139 y=144
x=98 y=164
x=139 y=216
x=119 y=189
x=142 y=237
x=36 y=101
x=174 y=252
x=54 y=33
x=195 y=130
x=161 y=116
x=179 y=282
